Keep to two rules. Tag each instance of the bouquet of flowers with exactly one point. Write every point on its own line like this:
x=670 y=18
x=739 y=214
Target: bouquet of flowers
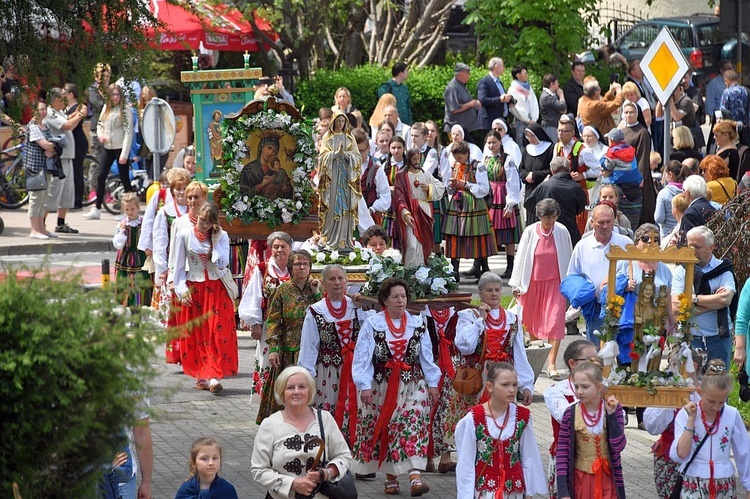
x=427 y=281
x=648 y=380
x=360 y=256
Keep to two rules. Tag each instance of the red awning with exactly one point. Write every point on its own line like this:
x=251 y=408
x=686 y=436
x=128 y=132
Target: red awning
x=218 y=28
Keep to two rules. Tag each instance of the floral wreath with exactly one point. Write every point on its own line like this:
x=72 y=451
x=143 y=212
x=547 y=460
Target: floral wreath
x=259 y=208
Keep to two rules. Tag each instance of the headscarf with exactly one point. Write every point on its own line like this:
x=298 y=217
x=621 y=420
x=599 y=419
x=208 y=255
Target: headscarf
x=544 y=140
x=501 y=122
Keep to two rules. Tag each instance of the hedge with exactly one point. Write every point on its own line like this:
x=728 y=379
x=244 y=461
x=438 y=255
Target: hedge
x=426 y=86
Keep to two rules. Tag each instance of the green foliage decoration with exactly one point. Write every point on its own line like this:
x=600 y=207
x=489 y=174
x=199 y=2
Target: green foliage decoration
x=72 y=373
x=542 y=34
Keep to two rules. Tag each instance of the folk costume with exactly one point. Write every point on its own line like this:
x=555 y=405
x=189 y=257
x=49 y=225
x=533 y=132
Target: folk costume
x=133 y=283
x=329 y=333
x=588 y=453
x=416 y=244
x=505 y=188
x=503 y=343
x=558 y=398
x=209 y=348
x=262 y=279
x=498 y=456
x=375 y=189
x=393 y=358
x=391 y=167
x=286 y=314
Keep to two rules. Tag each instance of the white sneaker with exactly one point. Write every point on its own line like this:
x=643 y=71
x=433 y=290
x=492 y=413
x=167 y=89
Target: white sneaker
x=572 y=313
x=94 y=214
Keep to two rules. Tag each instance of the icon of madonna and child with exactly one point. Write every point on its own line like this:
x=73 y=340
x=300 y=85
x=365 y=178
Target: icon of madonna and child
x=269 y=171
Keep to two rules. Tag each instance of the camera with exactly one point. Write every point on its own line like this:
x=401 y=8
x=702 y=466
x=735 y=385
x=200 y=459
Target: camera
x=512 y=100
x=614 y=77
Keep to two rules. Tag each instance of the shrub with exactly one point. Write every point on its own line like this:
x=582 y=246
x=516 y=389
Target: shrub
x=69 y=372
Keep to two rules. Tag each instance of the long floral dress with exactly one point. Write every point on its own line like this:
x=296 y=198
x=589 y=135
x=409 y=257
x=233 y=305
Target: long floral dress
x=133 y=283
x=208 y=349
x=505 y=187
x=286 y=314
x=262 y=279
x=392 y=432
x=327 y=351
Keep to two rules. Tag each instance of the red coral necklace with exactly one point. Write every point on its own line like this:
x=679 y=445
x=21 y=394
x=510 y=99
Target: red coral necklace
x=505 y=421
x=337 y=313
x=496 y=323
x=398 y=332
x=592 y=420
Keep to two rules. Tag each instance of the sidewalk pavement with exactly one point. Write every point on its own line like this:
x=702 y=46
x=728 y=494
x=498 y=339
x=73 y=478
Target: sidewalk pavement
x=93 y=236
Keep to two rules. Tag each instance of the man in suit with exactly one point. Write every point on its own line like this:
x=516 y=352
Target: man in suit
x=699 y=210
x=491 y=94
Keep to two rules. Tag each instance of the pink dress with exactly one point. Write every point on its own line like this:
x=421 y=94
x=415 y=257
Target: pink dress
x=543 y=301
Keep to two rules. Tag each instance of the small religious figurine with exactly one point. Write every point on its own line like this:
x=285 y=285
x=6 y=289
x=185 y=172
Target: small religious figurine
x=339 y=164
x=414 y=192
x=215 y=140
x=645 y=308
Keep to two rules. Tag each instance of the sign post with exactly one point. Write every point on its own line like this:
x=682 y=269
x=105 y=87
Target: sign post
x=159 y=129
x=664 y=65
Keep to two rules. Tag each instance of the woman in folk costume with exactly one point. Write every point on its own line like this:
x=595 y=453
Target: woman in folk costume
x=261 y=280
x=559 y=397
x=489 y=334
x=286 y=314
x=339 y=170
x=209 y=350
x=162 y=230
x=505 y=189
x=441 y=325
x=498 y=456
x=414 y=191
x=467 y=229
x=397 y=378
x=329 y=334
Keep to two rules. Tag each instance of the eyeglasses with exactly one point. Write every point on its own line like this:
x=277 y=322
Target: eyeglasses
x=301 y=264
x=647 y=239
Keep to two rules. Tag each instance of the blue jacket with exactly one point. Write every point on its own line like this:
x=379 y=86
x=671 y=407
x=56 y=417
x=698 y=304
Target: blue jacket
x=219 y=489
x=581 y=293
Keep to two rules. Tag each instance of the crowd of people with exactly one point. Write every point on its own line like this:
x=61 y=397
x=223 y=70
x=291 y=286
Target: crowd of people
x=377 y=389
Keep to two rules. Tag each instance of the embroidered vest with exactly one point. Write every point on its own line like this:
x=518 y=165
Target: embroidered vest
x=500 y=348
x=499 y=465
x=442 y=332
x=556 y=428
x=661 y=447
x=383 y=355
x=330 y=344
x=589 y=447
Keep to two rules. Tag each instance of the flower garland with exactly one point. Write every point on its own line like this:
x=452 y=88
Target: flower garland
x=650 y=380
x=360 y=256
x=259 y=208
x=427 y=281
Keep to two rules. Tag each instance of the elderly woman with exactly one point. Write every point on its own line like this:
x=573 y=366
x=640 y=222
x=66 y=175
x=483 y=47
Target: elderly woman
x=261 y=280
x=329 y=334
x=543 y=258
x=536 y=157
x=684 y=145
x=280 y=451
x=286 y=314
x=458 y=134
x=209 y=350
x=395 y=373
x=488 y=334
x=38 y=149
x=718 y=179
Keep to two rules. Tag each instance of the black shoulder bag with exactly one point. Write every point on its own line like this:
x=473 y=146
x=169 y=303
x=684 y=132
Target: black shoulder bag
x=677 y=490
x=344 y=487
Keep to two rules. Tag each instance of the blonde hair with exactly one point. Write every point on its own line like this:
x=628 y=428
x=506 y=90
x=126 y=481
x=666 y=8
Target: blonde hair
x=377 y=114
x=196 y=448
x=108 y=106
x=130 y=198
x=717 y=376
x=631 y=87
x=679 y=203
x=683 y=138
x=592 y=368
x=728 y=127
x=280 y=385
x=197 y=186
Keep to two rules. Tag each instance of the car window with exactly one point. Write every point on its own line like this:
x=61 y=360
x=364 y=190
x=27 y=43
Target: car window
x=709 y=34
x=640 y=36
x=682 y=35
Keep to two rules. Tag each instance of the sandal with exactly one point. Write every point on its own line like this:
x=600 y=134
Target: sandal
x=392 y=488
x=418 y=487
x=552 y=372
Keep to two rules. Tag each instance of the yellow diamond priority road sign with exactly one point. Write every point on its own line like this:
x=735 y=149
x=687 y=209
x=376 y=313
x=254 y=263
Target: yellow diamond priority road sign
x=664 y=65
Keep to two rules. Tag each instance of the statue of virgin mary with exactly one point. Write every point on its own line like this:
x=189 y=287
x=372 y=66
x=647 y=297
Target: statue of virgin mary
x=339 y=165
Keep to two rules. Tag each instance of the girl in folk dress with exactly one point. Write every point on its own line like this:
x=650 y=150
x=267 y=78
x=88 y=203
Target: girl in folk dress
x=591 y=438
x=393 y=164
x=204 y=481
x=497 y=451
x=261 y=280
x=132 y=281
x=467 y=229
x=505 y=188
x=489 y=334
x=329 y=334
x=209 y=350
x=414 y=190
x=660 y=422
x=559 y=397
x=711 y=474
x=397 y=378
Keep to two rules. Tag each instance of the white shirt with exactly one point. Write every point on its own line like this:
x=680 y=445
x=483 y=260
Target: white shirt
x=160 y=235
x=250 y=309
x=146 y=239
x=404 y=131
x=383 y=202
x=121 y=235
x=186 y=244
x=555 y=398
x=589 y=258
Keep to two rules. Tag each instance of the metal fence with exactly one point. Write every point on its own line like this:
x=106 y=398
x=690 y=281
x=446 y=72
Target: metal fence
x=614 y=20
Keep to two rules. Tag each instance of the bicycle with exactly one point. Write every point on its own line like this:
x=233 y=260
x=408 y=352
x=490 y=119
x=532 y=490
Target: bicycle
x=13 y=193
x=113 y=189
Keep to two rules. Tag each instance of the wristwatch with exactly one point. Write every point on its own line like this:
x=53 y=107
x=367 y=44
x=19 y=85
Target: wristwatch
x=695 y=300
